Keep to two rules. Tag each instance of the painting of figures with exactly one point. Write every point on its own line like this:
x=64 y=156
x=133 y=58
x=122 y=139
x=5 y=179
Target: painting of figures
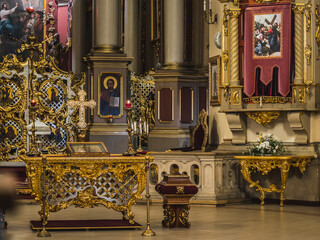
x=16 y=24
x=267 y=35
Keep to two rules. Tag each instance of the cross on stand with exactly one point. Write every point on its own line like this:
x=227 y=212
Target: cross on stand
x=82 y=104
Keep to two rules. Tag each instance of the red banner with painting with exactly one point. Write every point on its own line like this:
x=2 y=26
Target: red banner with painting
x=267 y=49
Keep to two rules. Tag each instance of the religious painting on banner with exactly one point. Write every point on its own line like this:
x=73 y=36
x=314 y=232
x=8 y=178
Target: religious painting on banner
x=110 y=87
x=16 y=23
x=267 y=49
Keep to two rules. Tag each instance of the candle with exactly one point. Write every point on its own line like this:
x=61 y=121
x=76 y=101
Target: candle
x=145 y=127
x=210 y=4
x=140 y=125
x=30 y=9
x=135 y=126
x=261 y=101
x=128 y=104
x=33 y=102
x=204 y=5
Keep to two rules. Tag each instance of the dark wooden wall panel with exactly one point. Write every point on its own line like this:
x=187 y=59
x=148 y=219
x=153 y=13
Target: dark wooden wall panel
x=202 y=98
x=165 y=104
x=186 y=104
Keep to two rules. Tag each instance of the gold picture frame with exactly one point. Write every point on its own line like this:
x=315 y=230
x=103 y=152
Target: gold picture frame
x=215 y=80
x=110 y=102
x=88 y=149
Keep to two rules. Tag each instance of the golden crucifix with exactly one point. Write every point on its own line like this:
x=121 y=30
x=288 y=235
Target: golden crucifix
x=82 y=104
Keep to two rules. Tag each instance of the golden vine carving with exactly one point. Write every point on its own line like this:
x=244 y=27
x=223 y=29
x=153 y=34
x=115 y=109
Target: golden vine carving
x=263 y=118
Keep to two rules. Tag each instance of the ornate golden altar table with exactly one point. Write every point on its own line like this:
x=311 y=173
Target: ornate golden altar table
x=265 y=164
x=57 y=181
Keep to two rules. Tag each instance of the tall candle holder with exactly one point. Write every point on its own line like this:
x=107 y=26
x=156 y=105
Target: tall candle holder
x=141 y=130
x=208 y=15
x=130 y=151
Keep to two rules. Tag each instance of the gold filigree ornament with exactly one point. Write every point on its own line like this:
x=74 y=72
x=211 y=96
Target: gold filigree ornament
x=266 y=1
x=263 y=118
x=225 y=20
x=225 y=59
x=308 y=7
x=302 y=96
x=236 y=97
x=308 y=53
x=317 y=13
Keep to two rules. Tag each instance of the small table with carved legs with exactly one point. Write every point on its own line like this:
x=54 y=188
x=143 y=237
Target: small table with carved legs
x=265 y=164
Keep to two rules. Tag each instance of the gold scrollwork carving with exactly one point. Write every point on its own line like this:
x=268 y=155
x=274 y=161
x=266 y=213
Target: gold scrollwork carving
x=308 y=7
x=180 y=189
x=225 y=20
x=184 y=216
x=317 y=11
x=302 y=95
x=267 y=1
x=225 y=58
x=169 y=216
x=294 y=95
x=236 y=97
x=267 y=99
x=308 y=53
x=263 y=118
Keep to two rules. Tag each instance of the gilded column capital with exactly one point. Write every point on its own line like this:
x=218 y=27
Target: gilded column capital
x=298 y=8
x=234 y=13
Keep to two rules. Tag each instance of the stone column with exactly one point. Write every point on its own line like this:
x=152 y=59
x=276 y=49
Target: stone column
x=174 y=33
x=131 y=40
x=234 y=47
x=298 y=43
x=107 y=26
x=78 y=35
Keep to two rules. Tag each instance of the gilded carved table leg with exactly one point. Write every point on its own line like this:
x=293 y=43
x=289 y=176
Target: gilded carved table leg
x=284 y=168
x=245 y=170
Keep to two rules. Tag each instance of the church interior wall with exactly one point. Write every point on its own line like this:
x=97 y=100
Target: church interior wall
x=280 y=129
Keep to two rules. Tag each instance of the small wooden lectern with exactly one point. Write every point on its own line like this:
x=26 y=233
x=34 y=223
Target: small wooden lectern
x=176 y=191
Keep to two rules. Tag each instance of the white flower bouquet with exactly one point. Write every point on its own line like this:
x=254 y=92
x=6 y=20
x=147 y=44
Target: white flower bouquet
x=266 y=146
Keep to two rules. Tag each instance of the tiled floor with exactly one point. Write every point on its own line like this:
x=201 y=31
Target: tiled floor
x=245 y=221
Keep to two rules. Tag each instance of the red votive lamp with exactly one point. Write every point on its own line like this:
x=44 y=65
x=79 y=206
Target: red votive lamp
x=128 y=104
x=30 y=9
x=33 y=102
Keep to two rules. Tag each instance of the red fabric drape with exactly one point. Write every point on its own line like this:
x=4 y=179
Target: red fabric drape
x=267 y=47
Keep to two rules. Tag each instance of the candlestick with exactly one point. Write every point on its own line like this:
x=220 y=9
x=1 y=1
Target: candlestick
x=130 y=150
x=128 y=104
